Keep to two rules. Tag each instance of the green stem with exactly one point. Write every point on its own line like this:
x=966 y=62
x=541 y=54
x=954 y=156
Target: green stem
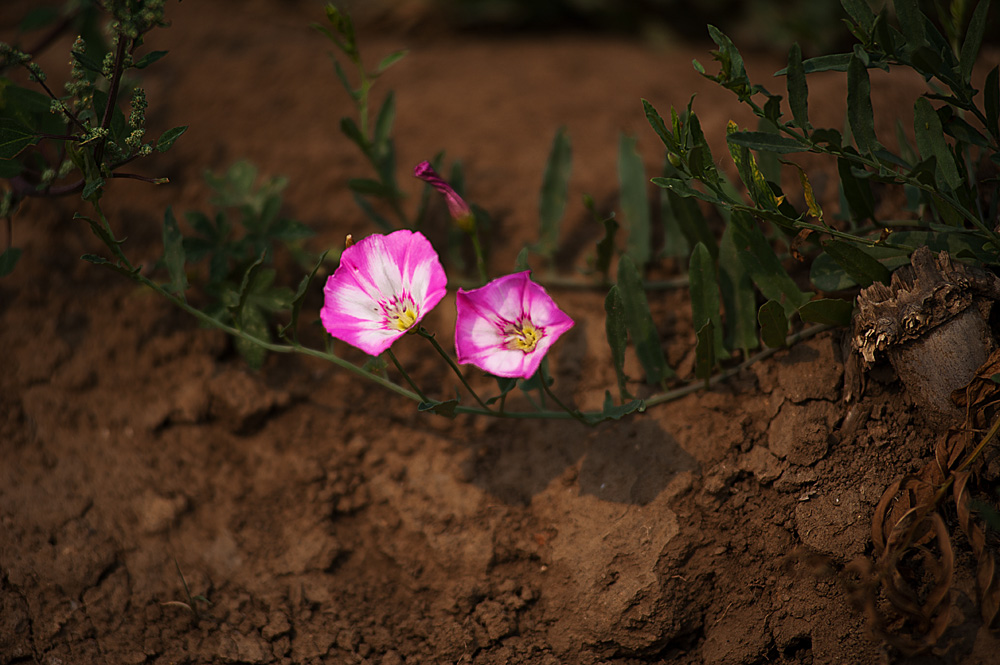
x=477 y=247
x=416 y=389
x=575 y=413
x=451 y=363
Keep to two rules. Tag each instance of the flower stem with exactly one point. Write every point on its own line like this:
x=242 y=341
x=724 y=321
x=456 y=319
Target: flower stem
x=451 y=363
x=416 y=389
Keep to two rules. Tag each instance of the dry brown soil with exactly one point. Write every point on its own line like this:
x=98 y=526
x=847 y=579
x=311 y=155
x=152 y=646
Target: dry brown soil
x=329 y=522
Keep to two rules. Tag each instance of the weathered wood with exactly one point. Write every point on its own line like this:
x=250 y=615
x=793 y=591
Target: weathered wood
x=931 y=322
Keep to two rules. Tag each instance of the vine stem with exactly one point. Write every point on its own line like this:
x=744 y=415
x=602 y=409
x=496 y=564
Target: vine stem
x=451 y=363
x=416 y=389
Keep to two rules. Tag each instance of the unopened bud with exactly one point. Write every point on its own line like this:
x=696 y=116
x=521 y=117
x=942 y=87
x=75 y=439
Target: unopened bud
x=348 y=241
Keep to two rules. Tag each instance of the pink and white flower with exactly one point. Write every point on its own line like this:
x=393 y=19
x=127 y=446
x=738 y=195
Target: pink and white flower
x=383 y=287
x=507 y=326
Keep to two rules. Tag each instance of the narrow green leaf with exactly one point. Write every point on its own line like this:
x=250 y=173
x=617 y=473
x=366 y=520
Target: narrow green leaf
x=682 y=188
x=614 y=328
x=389 y=60
x=738 y=296
x=858 y=192
x=252 y=321
x=173 y=254
x=635 y=205
x=767 y=141
x=930 y=142
x=836 y=62
x=773 y=324
x=606 y=247
x=991 y=101
x=93 y=189
x=350 y=129
x=660 y=127
x=14 y=137
x=371 y=188
x=640 y=324
x=383 y=122
x=168 y=137
x=798 y=89
x=859 y=106
x=762 y=264
x=911 y=20
x=9 y=259
x=148 y=59
x=829 y=311
x=973 y=39
x=612 y=412
x=687 y=214
x=704 y=351
x=862 y=268
x=446 y=409
x=861 y=12
x=704 y=288
x=555 y=185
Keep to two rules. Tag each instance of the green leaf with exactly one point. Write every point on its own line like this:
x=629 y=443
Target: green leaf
x=773 y=324
x=148 y=59
x=836 y=62
x=639 y=322
x=612 y=412
x=87 y=62
x=118 y=126
x=704 y=351
x=660 y=127
x=973 y=39
x=634 y=202
x=383 y=123
x=14 y=137
x=767 y=141
x=859 y=106
x=505 y=385
x=862 y=268
x=446 y=409
x=858 y=192
x=173 y=254
x=93 y=189
x=911 y=20
x=371 y=188
x=704 y=289
x=9 y=259
x=555 y=185
x=861 y=12
x=168 y=137
x=252 y=321
x=798 y=90
x=389 y=60
x=614 y=328
x=687 y=214
x=681 y=188
x=521 y=261
x=606 y=247
x=762 y=264
x=930 y=142
x=829 y=311
x=991 y=101
x=738 y=296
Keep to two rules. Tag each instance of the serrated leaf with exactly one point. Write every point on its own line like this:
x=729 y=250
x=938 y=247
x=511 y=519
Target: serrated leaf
x=862 y=268
x=446 y=409
x=829 y=311
x=615 y=330
x=87 y=62
x=9 y=259
x=148 y=59
x=14 y=137
x=640 y=325
x=173 y=254
x=773 y=324
x=634 y=202
x=168 y=137
x=738 y=296
x=704 y=289
x=859 y=106
x=553 y=196
x=930 y=142
x=798 y=90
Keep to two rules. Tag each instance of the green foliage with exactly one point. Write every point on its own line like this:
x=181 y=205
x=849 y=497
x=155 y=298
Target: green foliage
x=552 y=202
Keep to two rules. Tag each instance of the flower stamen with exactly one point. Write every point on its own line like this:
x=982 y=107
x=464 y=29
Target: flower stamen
x=400 y=314
x=522 y=336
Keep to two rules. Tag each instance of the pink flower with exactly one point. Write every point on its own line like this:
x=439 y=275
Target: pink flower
x=506 y=327
x=457 y=206
x=382 y=288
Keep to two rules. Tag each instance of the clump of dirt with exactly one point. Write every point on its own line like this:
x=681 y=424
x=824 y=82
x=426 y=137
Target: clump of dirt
x=326 y=521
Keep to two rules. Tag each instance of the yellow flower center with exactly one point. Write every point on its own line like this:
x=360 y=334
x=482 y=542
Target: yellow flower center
x=401 y=314
x=522 y=336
